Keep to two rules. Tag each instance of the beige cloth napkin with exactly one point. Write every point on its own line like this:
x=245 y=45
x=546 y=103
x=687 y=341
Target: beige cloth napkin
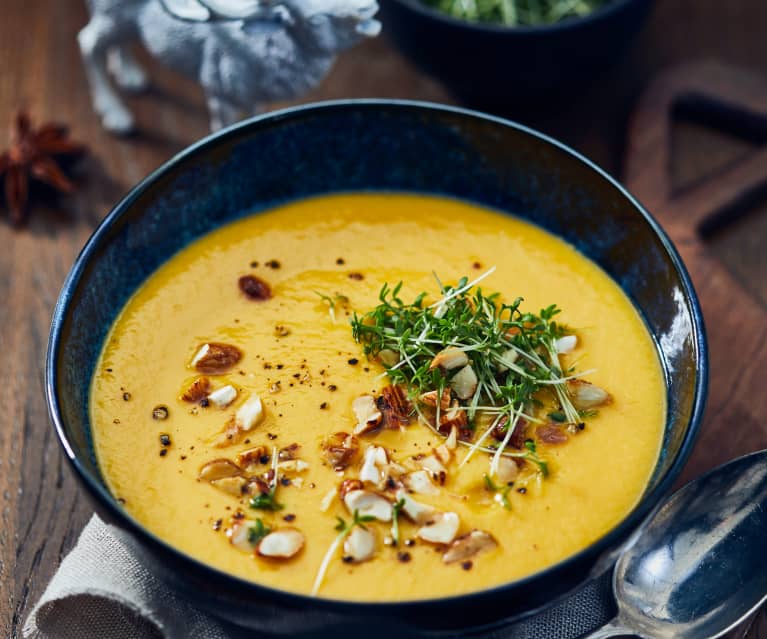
x=102 y=591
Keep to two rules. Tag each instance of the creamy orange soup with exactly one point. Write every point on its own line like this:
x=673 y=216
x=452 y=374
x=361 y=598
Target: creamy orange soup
x=301 y=375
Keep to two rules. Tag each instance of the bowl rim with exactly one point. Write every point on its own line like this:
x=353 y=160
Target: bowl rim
x=624 y=529
x=602 y=13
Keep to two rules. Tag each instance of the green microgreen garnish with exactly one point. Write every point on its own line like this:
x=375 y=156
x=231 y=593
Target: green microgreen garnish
x=268 y=501
x=512 y=353
x=343 y=529
x=396 y=509
x=331 y=302
x=516 y=12
x=257 y=531
x=501 y=492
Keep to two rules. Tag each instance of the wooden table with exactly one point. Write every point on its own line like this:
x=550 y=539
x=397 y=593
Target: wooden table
x=42 y=512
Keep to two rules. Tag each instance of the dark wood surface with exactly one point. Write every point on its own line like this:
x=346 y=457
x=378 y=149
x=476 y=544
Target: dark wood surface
x=41 y=512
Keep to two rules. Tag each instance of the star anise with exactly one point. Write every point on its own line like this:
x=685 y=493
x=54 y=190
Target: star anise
x=32 y=156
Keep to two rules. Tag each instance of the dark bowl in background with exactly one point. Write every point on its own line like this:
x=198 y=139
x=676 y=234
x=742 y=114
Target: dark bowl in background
x=380 y=146
x=493 y=65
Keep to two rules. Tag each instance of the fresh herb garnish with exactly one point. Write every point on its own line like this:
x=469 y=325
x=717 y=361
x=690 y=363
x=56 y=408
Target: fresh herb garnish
x=343 y=529
x=516 y=12
x=257 y=531
x=396 y=509
x=331 y=302
x=511 y=353
x=268 y=500
x=501 y=492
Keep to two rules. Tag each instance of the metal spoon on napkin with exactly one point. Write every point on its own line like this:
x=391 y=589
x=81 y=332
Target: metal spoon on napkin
x=698 y=566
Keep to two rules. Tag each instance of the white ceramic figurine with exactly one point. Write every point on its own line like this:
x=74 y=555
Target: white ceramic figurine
x=244 y=53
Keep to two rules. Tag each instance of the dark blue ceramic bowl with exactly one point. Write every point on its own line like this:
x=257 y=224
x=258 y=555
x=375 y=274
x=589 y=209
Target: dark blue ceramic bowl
x=371 y=146
x=499 y=66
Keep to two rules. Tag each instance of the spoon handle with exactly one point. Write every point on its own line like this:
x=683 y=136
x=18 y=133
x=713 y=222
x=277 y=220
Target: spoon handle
x=610 y=629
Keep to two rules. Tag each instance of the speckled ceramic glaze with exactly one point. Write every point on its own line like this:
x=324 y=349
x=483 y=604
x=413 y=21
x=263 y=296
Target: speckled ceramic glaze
x=390 y=146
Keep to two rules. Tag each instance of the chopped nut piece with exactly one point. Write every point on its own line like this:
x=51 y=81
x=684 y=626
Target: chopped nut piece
x=507 y=470
x=375 y=458
x=415 y=511
x=340 y=450
x=420 y=482
x=232 y=485
x=250 y=458
x=566 y=344
x=552 y=434
x=454 y=417
x=430 y=399
x=254 y=288
x=586 y=395
x=367 y=414
x=360 y=545
x=327 y=500
x=283 y=543
x=388 y=357
x=452 y=439
x=239 y=535
x=449 y=358
x=469 y=545
x=293 y=465
x=223 y=396
x=464 y=382
x=255 y=486
x=289 y=452
x=368 y=503
x=215 y=358
x=394 y=407
x=197 y=390
x=443 y=453
x=160 y=412
x=509 y=357
x=432 y=464
x=217 y=469
x=249 y=414
x=441 y=529
x=348 y=485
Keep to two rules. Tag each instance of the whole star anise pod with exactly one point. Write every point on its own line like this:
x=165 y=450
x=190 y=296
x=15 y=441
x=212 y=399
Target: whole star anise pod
x=32 y=156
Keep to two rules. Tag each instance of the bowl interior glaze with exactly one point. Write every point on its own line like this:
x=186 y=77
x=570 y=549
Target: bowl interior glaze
x=359 y=146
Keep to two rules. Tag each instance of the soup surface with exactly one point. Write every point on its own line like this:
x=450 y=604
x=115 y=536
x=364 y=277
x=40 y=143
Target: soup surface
x=299 y=379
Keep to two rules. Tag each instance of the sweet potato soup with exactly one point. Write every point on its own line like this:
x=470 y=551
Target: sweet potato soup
x=378 y=397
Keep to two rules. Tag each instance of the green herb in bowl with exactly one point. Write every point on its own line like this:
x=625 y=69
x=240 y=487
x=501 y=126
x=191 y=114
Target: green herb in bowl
x=513 y=13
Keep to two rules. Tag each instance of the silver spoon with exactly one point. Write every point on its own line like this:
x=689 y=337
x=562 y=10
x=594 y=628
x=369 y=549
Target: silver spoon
x=698 y=566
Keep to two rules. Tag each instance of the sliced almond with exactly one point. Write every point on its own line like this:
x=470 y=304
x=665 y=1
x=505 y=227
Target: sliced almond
x=415 y=511
x=249 y=459
x=507 y=470
x=327 y=500
x=369 y=503
x=451 y=443
x=443 y=453
x=566 y=344
x=464 y=382
x=586 y=395
x=293 y=465
x=218 y=469
x=249 y=414
x=239 y=535
x=360 y=545
x=231 y=485
x=432 y=464
x=509 y=356
x=214 y=358
x=468 y=546
x=281 y=544
x=388 y=357
x=367 y=414
x=375 y=458
x=441 y=529
x=430 y=399
x=420 y=482
x=222 y=397
x=449 y=358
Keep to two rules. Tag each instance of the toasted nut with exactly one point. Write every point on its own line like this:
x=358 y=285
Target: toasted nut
x=250 y=458
x=451 y=443
x=232 y=485
x=197 y=390
x=432 y=464
x=507 y=470
x=367 y=414
x=215 y=358
x=464 y=382
x=415 y=511
x=449 y=358
x=368 y=503
x=293 y=466
x=375 y=457
x=348 y=485
x=420 y=482
x=249 y=414
x=239 y=535
x=430 y=399
x=586 y=395
x=394 y=407
x=255 y=486
x=360 y=545
x=254 y=288
x=281 y=544
x=223 y=396
x=441 y=529
x=468 y=546
x=454 y=417
x=327 y=500
x=340 y=450
x=443 y=453
x=388 y=357
x=218 y=469
x=566 y=344
x=551 y=434
x=289 y=452
x=508 y=357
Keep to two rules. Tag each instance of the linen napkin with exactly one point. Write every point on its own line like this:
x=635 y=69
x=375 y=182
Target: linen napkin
x=102 y=591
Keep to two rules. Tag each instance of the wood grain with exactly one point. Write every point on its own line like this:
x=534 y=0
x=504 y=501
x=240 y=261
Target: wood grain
x=41 y=511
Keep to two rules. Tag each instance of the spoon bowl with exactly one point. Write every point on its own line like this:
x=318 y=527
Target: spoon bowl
x=695 y=570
